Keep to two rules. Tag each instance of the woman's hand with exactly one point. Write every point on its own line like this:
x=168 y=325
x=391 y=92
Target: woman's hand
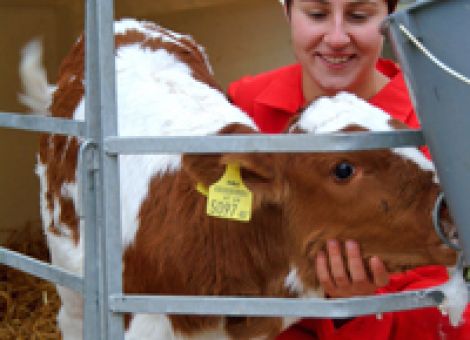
x=339 y=279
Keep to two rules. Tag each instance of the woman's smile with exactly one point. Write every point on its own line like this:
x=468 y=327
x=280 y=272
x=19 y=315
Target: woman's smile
x=336 y=61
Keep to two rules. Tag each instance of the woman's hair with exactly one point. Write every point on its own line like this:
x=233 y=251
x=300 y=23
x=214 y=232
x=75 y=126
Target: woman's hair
x=392 y=4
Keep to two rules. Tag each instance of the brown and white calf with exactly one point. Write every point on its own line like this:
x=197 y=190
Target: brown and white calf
x=383 y=199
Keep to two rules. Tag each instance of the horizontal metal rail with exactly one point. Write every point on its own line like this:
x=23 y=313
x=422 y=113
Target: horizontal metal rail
x=264 y=142
x=41 y=269
x=42 y=124
x=302 y=307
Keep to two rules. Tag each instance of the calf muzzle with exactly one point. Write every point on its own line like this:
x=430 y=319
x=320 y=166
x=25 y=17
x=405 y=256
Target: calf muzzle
x=444 y=228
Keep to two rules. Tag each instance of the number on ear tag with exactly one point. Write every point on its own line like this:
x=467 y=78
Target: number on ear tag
x=229 y=197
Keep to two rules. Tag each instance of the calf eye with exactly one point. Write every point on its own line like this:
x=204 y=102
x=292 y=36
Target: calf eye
x=343 y=171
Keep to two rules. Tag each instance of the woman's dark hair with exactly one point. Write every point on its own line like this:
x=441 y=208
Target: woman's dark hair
x=392 y=4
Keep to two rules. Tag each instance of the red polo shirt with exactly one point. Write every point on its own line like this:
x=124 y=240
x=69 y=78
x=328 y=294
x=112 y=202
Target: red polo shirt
x=271 y=99
x=274 y=97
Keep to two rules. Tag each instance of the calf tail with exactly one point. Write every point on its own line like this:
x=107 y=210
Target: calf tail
x=37 y=93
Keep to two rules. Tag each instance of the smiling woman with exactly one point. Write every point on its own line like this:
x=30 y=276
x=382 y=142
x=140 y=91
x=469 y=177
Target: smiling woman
x=338 y=44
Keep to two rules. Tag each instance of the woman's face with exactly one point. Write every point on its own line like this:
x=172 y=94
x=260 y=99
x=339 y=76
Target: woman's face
x=337 y=42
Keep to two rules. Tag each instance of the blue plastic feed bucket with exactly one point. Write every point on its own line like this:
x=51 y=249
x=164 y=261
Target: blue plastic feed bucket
x=437 y=71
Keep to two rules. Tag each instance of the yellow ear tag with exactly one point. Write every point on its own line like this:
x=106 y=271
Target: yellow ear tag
x=229 y=198
x=202 y=189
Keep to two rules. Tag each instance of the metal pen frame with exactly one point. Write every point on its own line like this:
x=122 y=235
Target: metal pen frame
x=101 y=285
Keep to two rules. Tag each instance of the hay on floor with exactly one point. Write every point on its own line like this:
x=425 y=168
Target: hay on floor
x=28 y=305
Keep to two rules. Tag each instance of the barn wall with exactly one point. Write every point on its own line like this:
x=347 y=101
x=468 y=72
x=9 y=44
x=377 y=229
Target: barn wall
x=240 y=36
x=53 y=22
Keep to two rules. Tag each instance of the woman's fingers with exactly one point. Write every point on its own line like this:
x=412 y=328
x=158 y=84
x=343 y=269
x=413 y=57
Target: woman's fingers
x=337 y=266
x=380 y=274
x=323 y=274
x=340 y=278
x=356 y=267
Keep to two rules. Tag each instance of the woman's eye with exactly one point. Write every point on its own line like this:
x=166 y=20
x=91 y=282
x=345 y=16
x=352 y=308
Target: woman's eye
x=343 y=171
x=358 y=16
x=317 y=15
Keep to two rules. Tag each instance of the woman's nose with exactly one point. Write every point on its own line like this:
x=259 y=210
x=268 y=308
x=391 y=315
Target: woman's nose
x=337 y=36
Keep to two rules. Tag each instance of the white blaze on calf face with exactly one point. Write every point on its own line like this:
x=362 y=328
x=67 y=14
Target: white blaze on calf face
x=331 y=114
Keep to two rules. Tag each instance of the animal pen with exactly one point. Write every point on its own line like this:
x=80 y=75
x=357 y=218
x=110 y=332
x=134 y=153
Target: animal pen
x=419 y=34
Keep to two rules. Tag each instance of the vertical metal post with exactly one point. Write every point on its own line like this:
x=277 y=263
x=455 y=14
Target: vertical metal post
x=102 y=122
x=91 y=285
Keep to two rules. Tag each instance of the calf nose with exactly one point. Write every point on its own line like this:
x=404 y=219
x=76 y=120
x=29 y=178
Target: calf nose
x=443 y=223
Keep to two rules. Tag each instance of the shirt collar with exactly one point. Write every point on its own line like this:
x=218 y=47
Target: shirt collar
x=393 y=98
x=285 y=91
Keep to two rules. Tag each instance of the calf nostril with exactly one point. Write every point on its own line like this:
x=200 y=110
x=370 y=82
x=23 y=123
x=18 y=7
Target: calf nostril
x=444 y=211
x=444 y=229
x=447 y=223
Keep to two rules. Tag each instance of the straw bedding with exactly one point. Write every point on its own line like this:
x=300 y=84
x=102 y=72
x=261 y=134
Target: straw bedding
x=28 y=305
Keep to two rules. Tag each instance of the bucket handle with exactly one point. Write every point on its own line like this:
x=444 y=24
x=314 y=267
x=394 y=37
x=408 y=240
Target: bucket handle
x=431 y=57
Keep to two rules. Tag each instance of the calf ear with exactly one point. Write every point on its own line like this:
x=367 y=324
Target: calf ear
x=208 y=168
x=260 y=172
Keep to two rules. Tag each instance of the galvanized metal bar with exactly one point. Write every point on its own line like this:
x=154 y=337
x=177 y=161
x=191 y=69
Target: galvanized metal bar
x=264 y=143
x=41 y=124
x=315 y=308
x=102 y=118
x=94 y=299
x=41 y=269
x=86 y=206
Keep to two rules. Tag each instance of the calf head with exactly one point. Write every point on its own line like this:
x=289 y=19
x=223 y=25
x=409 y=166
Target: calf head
x=383 y=199
x=379 y=198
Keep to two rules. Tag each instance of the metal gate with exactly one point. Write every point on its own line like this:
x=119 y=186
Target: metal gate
x=101 y=285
